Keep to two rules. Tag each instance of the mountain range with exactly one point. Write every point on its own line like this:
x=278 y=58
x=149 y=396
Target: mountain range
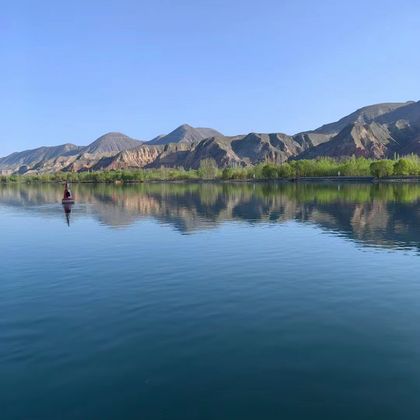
x=376 y=131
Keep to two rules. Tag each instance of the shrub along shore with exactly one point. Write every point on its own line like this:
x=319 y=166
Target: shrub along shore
x=408 y=166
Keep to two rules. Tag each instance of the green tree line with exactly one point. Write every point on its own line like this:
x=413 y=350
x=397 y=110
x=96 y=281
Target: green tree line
x=324 y=167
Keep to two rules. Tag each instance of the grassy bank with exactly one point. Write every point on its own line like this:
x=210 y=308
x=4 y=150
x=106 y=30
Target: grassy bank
x=319 y=168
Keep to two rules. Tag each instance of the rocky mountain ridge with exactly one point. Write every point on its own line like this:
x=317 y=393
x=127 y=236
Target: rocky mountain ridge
x=185 y=134
x=376 y=131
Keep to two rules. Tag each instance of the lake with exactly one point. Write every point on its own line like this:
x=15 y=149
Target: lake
x=211 y=301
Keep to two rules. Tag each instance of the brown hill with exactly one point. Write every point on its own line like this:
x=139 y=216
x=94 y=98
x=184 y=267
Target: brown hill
x=185 y=134
x=375 y=131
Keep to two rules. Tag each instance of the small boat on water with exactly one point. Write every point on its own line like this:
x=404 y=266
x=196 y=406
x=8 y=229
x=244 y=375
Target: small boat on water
x=68 y=196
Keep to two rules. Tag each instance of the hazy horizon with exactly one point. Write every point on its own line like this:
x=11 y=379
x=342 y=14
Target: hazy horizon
x=76 y=71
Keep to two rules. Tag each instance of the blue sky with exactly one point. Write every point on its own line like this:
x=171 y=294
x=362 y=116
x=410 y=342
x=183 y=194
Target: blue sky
x=73 y=70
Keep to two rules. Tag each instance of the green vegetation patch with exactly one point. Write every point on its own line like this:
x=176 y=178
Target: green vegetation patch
x=208 y=170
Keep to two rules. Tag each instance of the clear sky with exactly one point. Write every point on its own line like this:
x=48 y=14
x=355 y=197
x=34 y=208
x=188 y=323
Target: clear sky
x=73 y=70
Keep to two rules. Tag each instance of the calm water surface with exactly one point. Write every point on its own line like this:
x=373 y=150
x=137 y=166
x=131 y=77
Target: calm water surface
x=210 y=302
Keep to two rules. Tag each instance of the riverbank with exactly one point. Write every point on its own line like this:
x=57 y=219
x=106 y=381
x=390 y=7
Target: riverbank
x=359 y=179
x=300 y=180
x=405 y=169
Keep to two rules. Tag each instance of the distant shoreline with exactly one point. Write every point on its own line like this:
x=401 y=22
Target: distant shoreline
x=353 y=169
x=359 y=170
x=367 y=179
x=296 y=180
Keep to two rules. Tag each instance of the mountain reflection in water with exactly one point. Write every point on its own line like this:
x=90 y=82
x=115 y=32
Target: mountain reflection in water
x=381 y=215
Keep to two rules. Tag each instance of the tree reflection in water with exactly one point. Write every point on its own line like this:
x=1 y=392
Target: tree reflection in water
x=385 y=215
